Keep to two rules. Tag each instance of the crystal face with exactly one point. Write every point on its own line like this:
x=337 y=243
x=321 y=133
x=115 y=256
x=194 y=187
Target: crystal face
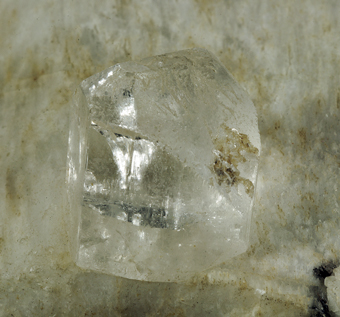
x=163 y=157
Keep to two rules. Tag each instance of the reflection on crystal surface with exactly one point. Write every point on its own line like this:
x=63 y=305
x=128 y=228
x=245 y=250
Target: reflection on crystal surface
x=172 y=154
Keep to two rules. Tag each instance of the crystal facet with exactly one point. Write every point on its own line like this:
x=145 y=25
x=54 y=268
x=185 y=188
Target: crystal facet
x=163 y=155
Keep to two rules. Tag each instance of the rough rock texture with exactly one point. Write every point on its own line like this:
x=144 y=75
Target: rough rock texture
x=286 y=56
x=169 y=150
x=333 y=291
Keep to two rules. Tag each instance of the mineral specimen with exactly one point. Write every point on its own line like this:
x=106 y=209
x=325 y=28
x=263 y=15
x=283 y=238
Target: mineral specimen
x=162 y=167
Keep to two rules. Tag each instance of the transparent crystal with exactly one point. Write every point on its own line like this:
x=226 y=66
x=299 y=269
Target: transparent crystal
x=163 y=157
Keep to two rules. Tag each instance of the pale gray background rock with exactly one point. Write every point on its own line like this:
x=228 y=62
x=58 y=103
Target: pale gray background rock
x=287 y=57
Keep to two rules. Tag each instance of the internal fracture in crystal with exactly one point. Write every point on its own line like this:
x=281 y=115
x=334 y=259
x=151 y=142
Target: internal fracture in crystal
x=163 y=155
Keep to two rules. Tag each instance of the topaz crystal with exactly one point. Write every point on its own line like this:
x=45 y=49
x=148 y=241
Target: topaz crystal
x=162 y=167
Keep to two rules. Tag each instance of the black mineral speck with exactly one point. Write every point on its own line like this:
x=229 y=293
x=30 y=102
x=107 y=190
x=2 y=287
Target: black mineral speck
x=324 y=270
x=126 y=93
x=319 y=307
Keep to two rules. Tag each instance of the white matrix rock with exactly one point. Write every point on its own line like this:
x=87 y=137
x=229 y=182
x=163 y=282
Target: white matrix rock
x=163 y=157
x=333 y=291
